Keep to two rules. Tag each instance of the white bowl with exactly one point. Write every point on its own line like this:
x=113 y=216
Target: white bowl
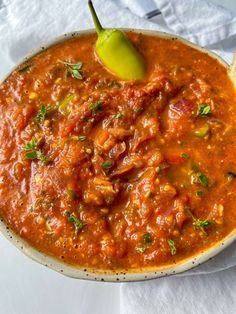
x=124 y=274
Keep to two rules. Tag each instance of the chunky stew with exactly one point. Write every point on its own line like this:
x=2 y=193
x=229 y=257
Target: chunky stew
x=111 y=174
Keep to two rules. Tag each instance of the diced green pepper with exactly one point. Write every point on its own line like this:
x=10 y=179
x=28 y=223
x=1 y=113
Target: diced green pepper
x=203 y=131
x=63 y=106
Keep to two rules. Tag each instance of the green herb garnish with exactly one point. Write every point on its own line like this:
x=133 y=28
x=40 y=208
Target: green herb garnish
x=199 y=193
x=185 y=155
x=118 y=115
x=198 y=177
x=81 y=138
x=195 y=167
x=147 y=238
x=203 y=110
x=201 y=224
x=141 y=248
x=106 y=165
x=173 y=249
x=42 y=113
x=202 y=179
x=33 y=152
x=76 y=221
x=71 y=194
x=97 y=106
x=73 y=68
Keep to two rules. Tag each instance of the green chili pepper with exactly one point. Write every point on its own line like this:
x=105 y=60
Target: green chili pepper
x=116 y=52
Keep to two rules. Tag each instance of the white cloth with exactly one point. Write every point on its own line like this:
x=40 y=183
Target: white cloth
x=26 y=24
x=208 y=294
x=196 y=20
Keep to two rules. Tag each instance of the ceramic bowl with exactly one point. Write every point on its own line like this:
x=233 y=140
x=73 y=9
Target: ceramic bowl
x=123 y=274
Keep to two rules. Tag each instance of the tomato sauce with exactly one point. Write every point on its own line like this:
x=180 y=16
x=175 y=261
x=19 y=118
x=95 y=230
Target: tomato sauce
x=110 y=174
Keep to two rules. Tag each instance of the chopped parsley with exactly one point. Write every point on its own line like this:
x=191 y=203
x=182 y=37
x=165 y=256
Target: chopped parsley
x=81 y=138
x=203 y=110
x=95 y=107
x=76 y=221
x=73 y=68
x=147 y=238
x=71 y=194
x=141 y=248
x=195 y=168
x=42 y=113
x=118 y=115
x=199 y=193
x=106 y=165
x=198 y=177
x=201 y=224
x=173 y=249
x=185 y=155
x=202 y=179
x=33 y=152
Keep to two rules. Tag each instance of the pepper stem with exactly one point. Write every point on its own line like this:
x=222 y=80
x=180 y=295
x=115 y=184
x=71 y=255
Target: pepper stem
x=96 y=21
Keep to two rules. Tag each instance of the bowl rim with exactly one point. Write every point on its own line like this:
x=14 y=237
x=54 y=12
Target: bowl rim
x=120 y=275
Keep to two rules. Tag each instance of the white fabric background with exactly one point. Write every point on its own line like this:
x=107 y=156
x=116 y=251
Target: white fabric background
x=208 y=294
x=24 y=25
x=196 y=20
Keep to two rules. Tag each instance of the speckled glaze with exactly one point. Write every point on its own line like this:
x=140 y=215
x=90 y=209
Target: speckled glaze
x=120 y=275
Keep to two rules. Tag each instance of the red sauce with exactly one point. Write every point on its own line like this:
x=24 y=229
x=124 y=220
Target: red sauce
x=111 y=174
